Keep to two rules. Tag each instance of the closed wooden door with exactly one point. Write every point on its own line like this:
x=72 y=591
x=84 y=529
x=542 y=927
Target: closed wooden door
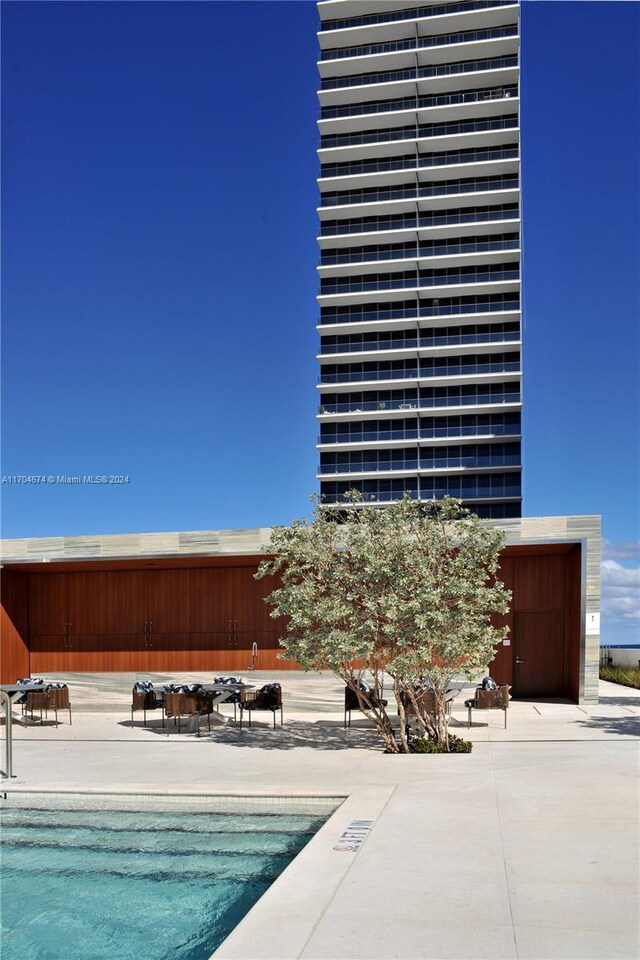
x=48 y=623
x=88 y=622
x=538 y=654
x=255 y=632
x=169 y=620
x=87 y=603
x=212 y=619
x=127 y=619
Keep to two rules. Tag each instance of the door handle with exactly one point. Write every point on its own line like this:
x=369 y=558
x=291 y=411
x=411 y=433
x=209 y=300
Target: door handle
x=149 y=633
x=518 y=660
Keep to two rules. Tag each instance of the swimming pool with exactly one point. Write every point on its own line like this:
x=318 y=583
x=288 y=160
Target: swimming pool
x=140 y=879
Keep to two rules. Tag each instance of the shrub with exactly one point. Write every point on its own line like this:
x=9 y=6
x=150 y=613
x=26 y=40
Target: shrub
x=429 y=745
x=627 y=676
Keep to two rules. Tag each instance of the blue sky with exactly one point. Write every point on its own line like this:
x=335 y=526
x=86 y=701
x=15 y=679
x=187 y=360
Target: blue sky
x=159 y=268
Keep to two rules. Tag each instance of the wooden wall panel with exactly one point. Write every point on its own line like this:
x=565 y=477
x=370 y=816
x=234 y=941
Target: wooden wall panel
x=14 y=627
x=169 y=601
x=538 y=583
x=47 y=604
x=128 y=604
x=212 y=599
x=501 y=667
x=211 y=652
x=87 y=603
x=250 y=609
x=168 y=652
x=49 y=655
x=127 y=653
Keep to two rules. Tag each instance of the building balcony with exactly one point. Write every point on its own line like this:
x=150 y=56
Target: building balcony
x=449 y=466
x=446 y=108
x=510 y=283
x=489 y=195
x=421 y=51
x=484 y=371
x=390 y=172
x=460 y=345
x=507 y=402
x=459 y=252
x=436 y=78
x=472 y=15
x=409 y=190
x=397 y=140
x=392 y=440
x=462 y=222
x=459 y=105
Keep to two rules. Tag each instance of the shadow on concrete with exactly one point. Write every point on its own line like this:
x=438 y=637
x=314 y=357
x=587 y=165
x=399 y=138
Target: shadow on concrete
x=623 y=726
x=319 y=735
x=620 y=701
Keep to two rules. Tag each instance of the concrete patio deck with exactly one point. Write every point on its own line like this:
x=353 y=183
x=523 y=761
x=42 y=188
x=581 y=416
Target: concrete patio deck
x=526 y=848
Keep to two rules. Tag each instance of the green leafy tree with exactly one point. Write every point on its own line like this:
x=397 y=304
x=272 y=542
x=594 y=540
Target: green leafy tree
x=408 y=591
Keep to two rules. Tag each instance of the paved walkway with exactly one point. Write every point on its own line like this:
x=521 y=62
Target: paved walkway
x=527 y=848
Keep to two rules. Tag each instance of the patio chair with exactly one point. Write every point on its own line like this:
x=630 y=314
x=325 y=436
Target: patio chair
x=268 y=697
x=22 y=682
x=59 y=699
x=234 y=697
x=177 y=705
x=489 y=700
x=144 y=697
x=54 y=696
x=351 y=701
x=35 y=701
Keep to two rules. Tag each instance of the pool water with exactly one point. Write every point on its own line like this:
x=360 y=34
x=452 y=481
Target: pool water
x=130 y=885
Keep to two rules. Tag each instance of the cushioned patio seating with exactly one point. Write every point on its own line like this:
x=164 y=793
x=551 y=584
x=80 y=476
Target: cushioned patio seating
x=145 y=698
x=177 y=705
x=351 y=701
x=268 y=697
x=489 y=700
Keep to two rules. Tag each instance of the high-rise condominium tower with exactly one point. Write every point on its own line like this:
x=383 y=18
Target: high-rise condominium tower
x=420 y=252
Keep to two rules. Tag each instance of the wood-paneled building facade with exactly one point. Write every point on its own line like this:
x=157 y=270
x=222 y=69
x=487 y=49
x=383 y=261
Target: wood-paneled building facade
x=182 y=602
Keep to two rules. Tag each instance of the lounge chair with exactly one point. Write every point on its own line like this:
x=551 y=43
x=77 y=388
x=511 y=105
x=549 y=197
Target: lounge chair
x=268 y=697
x=489 y=700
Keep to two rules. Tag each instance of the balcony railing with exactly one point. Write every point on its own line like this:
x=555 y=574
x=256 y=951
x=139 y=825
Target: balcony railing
x=419 y=73
x=467 y=487
x=411 y=251
x=412 y=162
x=424 y=433
x=423 y=463
x=416 y=343
x=417 y=102
x=422 y=373
x=411 y=191
x=428 y=278
x=417 y=131
x=419 y=43
x=400 y=311
x=407 y=406
x=408 y=221
x=411 y=13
